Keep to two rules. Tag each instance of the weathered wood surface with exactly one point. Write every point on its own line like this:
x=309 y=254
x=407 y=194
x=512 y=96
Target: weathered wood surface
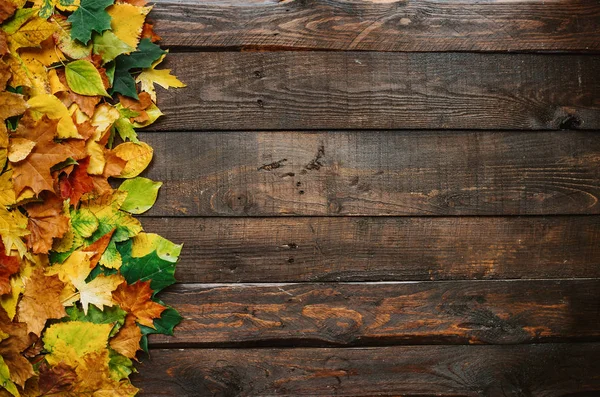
x=225 y=250
x=384 y=173
x=362 y=90
x=431 y=25
x=550 y=370
x=498 y=312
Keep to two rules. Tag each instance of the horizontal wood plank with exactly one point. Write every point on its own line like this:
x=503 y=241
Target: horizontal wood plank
x=351 y=314
x=366 y=90
x=550 y=370
x=225 y=250
x=384 y=173
x=430 y=25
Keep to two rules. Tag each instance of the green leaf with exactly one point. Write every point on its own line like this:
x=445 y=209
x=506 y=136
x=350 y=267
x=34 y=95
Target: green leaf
x=145 y=243
x=110 y=315
x=159 y=272
x=147 y=52
x=163 y=325
x=111 y=258
x=90 y=16
x=47 y=9
x=83 y=78
x=126 y=130
x=63 y=164
x=120 y=366
x=84 y=222
x=145 y=55
x=109 y=46
x=124 y=83
x=110 y=72
x=141 y=194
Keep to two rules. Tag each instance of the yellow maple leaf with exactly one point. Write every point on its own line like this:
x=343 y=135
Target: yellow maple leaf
x=98 y=292
x=51 y=106
x=162 y=77
x=75 y=270
x=127 y=22
x=13 y=226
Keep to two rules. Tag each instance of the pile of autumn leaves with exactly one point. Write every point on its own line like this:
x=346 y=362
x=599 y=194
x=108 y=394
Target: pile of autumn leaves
x=78 y=276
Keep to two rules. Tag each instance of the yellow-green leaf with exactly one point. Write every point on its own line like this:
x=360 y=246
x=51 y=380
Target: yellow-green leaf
x=84 y=79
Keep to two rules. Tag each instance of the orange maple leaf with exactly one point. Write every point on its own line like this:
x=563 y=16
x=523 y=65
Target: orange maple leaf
x=46 y=222
x=41 y=301
x=77 y=183
x=127 y=341
x=12 y=347
x=34 y=170
x=136 y=299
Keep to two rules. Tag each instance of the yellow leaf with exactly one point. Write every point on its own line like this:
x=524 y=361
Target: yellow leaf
x=7 y=194
x=29 y=73
x=13 y=226
x=97 y=160
x=47 y=54
x=162 y=77
x=31 y=34
x=9 y=301
x=104 y=117
x=75 y=270
x=19 y=149
x=98 y=292
x=52 y=107
x=55 y=83
x=69 y=342
x=137 y=155
x=127 y=22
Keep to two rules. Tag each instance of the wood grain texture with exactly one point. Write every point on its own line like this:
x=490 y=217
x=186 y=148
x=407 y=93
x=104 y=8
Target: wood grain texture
x=225 y=250
x=430 y=25
x=351 y=314
x=549 y=370
x=360 y=90
x=385 y=173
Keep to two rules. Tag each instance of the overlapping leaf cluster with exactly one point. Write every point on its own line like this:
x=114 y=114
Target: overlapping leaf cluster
x=78 y=276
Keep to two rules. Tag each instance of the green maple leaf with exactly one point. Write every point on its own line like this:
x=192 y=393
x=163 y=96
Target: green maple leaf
x=151 y=267
x=90 y=16
x=163 y=325
x=144 y=57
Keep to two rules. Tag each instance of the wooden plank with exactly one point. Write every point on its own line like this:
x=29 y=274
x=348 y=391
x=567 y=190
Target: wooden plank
x=351 y=314
x=361 y=90
x=550 y=370
x=432 y=25
x=225 y=250
x=385 y=173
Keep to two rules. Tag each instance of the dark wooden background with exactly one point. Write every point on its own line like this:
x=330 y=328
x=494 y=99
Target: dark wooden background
x=380 y=197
